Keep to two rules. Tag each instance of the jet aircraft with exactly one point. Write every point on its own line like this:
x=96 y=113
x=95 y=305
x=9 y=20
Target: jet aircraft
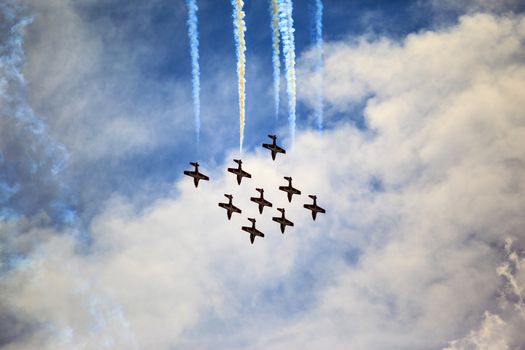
x=230 y=208
x=289 y=189
x=252 y=230
x=196 y=174
x=314 y=207
x=239 y=172
x=261 y=201
x=282 y=220
x=273 y=147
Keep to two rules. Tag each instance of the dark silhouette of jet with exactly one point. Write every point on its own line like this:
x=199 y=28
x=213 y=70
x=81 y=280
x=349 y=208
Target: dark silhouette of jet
x=252 y=230
x=196 y=174
x=261 y=201
x=289 y=189
x=230 y=208
x=314 y=207
x=239 y=172
x=282 y=220
x=273 y=147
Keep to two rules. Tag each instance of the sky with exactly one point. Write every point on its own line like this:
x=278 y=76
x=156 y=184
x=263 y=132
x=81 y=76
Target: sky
x=420 y=165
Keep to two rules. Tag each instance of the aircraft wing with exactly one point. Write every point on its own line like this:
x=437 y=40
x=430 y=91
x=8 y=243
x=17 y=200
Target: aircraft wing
x=279 y=149
x=255 y=233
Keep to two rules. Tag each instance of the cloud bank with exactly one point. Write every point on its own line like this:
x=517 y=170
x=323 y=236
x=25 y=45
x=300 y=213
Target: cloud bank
x=413 y=253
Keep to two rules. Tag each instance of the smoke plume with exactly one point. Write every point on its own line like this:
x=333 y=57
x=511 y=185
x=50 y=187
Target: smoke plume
x=274 y=11
x=239 y=27
x=193 y=34
x=288 y=42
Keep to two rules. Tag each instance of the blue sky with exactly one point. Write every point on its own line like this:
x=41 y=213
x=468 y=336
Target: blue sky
x=105 y=244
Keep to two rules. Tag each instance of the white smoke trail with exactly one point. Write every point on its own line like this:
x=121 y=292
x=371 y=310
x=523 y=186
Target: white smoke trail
x=239 y=27
x=274 y=11
x=318 y=40
x=193 y=34
x=287 y=34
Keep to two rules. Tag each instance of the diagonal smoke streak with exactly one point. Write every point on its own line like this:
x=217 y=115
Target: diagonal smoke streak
x=239 y=27
x=274 y=11
x=319 y=65
x=287 y=34
x=193 y=34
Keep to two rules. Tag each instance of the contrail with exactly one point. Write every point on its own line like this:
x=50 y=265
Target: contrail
x=274 y=9
x=318 y=41
x=239 y=27
x=193 y=34
x=288 y=42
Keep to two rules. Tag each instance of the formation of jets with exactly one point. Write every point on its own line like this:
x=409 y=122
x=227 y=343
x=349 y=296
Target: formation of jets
x=260 y=200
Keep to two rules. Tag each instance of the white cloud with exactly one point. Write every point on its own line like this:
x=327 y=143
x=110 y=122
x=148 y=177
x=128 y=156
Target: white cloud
x=411 y=265
x=473 y=6
x=503 y=330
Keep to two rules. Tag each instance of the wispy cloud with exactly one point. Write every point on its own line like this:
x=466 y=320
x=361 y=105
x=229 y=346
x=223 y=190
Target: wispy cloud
x=30 y=159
